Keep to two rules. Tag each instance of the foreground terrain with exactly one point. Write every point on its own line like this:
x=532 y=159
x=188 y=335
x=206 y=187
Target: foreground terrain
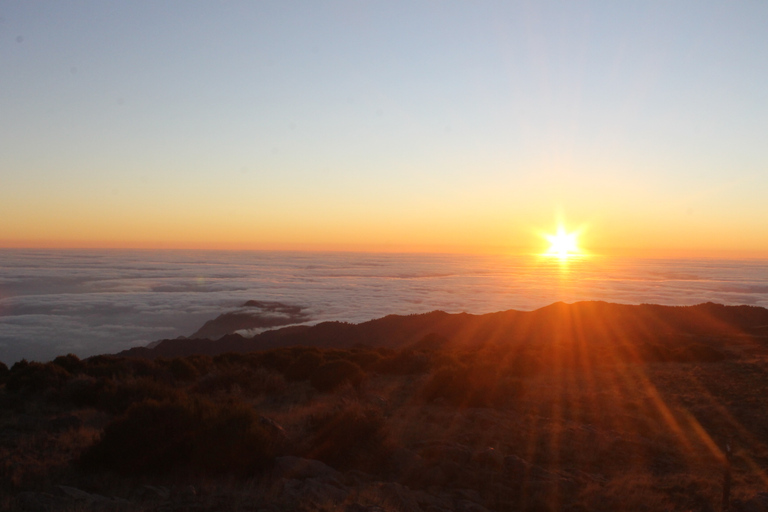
x=583 y=407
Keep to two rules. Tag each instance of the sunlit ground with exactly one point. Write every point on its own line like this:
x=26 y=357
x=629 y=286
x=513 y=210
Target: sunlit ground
x=582 y=408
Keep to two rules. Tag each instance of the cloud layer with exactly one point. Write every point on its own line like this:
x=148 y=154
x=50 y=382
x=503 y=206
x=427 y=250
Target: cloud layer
x=89 y=302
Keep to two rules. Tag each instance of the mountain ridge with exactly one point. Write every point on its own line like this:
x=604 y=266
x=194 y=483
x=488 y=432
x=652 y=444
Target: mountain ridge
x=592 y=321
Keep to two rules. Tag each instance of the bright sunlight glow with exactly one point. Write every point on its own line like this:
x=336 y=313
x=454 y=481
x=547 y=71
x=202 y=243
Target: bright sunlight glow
x=563 y=244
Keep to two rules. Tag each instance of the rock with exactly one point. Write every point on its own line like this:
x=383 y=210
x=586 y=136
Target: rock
x=429 y=501
x=186 y=494
x=457 y=453
x=153 y=493
x=489 y=458
x=355 y=507
x=94 y=502
x=467 y=495
x=274 y=428
x=77 y=494
x=469 y=506
x=378 y=401
x=515 y=466
x=312 y=492
x=64 y=423
x=431 y=476
x=83 y=497
x=38 y=502
x=355 y=478
x=297 y=468
x=757 y=503
x=398 y=497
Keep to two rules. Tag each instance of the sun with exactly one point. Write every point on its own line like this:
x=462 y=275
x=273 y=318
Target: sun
x=563 y=244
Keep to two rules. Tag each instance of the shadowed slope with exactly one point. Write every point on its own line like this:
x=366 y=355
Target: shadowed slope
x=647 y=329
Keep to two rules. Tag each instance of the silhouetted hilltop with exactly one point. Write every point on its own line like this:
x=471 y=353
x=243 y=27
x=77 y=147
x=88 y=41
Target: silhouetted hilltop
x=253 y=314
x=592 y=322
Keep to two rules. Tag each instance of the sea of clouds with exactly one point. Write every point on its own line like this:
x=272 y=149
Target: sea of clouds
x=93 y=302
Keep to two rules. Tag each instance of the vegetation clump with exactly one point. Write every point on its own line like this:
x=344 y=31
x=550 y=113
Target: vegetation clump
x=193 y=435
x=35 y=377
x=333 y=374
x=593 y=422
x=352 y=436
x=473 y=386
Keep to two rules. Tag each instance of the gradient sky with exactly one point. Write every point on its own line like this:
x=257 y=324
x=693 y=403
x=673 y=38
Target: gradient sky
x=385 y=125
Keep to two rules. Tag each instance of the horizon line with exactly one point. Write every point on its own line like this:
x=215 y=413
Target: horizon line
x=457 y=249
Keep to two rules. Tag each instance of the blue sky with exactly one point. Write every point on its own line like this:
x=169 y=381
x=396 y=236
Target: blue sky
x=375 y=124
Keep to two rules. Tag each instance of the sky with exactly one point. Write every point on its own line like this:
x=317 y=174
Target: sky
x=385 y=126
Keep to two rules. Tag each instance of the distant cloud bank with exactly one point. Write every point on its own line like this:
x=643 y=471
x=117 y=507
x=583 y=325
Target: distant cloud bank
x=90 y=302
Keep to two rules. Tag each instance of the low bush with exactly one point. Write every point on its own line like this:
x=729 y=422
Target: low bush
x=139 y=367
x=87 y=391
x=278 y=360
x=70 y=362
x=106 y=366
x=365 y=358
x=352 y=437
x=182 y=369
x=245 y=380
x=192 y=436
x=473 y=386
x=19 y=365
x=36 y=377
x=303 y=366
x=431 y=341
x=229 y=359
x=117 y=396
x=334 y=374
x=203 y=363
x=405 y=362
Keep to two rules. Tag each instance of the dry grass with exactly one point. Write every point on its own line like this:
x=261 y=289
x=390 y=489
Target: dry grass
x=588 y=431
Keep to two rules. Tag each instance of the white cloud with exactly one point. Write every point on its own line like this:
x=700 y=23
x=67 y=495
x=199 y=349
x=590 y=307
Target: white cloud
x=100 y=302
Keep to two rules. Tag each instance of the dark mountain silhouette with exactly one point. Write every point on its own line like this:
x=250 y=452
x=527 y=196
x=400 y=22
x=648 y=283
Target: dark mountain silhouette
x=253 y=314
x=645 y=327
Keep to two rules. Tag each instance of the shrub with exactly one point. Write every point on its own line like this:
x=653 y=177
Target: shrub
x=303 y=366
x=333 y=374
x=405 y=362
x=87 y=391
x=35 y=377
x=139 y=367
x=229 y=359
x=105 y=366
x=197 y=436
x=332 y=354
x=365 y=358
x=473 y=386
x=275 y=360
x=19 y=365
x=203 y=363
x=70 y=362
x=117 y=396
x=251 y=382
x=431 y=341
x=4 y=372
x=351 y=437
x=183 y=369
x=701 y=352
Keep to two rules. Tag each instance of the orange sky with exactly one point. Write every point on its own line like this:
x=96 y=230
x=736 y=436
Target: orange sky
x=398 y=127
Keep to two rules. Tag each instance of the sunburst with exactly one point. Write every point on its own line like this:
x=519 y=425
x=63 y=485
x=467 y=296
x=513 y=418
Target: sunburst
x=563 y=245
